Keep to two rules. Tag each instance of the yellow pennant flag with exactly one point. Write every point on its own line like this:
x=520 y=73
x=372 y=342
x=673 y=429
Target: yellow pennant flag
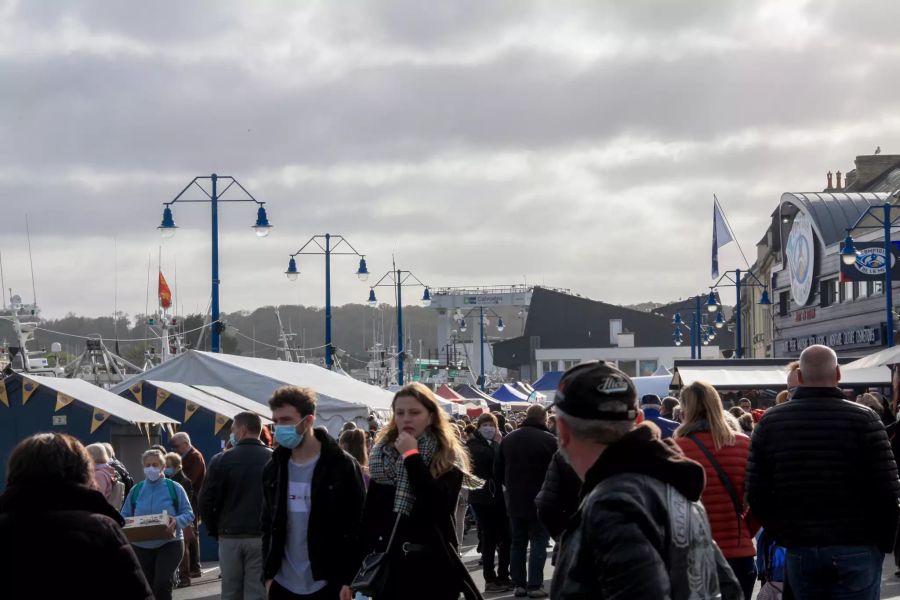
x=62 y=401
x=28 y=388
x=161 y=396
x=189 y=409
x=98 y=419
x=137 y=390
x=3 y=397
x=220 y=422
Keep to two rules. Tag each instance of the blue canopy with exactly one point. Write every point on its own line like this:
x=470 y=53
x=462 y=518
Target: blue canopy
x=507 y=393
x=549 y=381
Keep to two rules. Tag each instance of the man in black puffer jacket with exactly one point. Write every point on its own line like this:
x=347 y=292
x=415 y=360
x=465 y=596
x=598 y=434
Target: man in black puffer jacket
x=822 y=480
x=641 y=531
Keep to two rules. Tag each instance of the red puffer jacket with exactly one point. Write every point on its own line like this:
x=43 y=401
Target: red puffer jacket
x=734 y=542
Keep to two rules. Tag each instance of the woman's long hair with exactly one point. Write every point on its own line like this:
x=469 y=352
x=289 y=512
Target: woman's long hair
x=700 y=401
x=450 y=452
x=353 y=441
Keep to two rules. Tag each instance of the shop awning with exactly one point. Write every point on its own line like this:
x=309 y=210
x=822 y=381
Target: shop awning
x=884 y=358
x=769 y=377
x=99 y=398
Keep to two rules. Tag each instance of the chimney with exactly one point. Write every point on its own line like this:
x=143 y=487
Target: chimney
x=838 y=185
x=830 y=186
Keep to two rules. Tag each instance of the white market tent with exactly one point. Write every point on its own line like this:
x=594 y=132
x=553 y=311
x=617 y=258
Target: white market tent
x=883 y=358
x=96 y=397
x=245 y=403
x=653 y=384
x=204 y=399
x=340 y=398
x=771 y=376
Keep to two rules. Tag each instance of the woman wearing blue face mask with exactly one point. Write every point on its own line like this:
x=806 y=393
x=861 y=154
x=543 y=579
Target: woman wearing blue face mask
x=174 y=472
x=155 y=494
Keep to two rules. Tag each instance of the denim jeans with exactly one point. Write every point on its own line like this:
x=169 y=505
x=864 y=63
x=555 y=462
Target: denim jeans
x=523 y=532
x=837 y=572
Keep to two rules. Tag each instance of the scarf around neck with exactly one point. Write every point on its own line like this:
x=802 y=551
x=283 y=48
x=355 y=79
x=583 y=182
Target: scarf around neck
x=386 y=467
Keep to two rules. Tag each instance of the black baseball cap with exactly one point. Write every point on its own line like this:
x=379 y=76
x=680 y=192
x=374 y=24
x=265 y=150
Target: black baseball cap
x=583 y=388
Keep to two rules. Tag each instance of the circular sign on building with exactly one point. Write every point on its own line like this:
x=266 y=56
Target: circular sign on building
x=800 y=256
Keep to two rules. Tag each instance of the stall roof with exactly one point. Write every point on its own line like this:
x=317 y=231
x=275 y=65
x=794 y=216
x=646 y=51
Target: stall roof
x=884 y=358
x=202 y=398
x=97 y=397
x=448 y=393
x=770 y=377
x=244 y=402
x=507 y=393
x=549 y=381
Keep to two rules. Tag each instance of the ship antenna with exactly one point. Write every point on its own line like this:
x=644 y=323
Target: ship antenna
x=30 y=261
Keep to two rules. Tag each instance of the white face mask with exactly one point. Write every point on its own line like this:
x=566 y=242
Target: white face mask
x=152 y=473
x=487 y=431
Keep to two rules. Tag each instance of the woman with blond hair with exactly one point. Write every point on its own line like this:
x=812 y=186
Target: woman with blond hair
x=418 y=467
x=708 y=436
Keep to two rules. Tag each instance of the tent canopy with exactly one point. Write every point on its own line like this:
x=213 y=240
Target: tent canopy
x=245 y=403
x=653 y=384
x=96 y=397
x=549 y=381
x=203 y=399
x=340 y=398
x=883 y=358
x=772 y=377
x=507 y=393
x=447 y=392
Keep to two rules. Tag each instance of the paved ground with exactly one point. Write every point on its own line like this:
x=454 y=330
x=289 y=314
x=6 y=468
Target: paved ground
x=209 y=588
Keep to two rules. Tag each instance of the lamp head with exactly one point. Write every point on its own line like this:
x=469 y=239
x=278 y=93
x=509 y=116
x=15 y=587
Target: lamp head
x=764 y=299
x=676 y=320
x=167 y=227
x=426 y=298
x=500 y=326
x=462 y=325
x=373 y=302
x=849 y=251
x=720 y=320
x=262 y=227
x=712 y=305
x=363 y=271
x=292 y=272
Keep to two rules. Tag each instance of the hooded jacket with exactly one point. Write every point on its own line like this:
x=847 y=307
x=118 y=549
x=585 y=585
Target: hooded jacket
x=640 y=531
x=55 y=535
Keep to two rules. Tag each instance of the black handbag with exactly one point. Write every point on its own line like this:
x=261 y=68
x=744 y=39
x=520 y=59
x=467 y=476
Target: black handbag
x=373 y=573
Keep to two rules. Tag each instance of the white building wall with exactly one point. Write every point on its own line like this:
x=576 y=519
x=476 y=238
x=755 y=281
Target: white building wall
x=663 y=355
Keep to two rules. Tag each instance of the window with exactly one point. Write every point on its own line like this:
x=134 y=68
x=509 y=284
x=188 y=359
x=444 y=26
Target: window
x=548 y=365
x=629 y=367
x=648 y=367
x=568 y=364
x=865 y=289
x=877 y=287
x=784 y=303
x=615 y=328
x=848 y=291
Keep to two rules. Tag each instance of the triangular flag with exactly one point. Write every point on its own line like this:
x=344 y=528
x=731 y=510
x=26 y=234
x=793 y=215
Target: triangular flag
x=98 y=419
x=137 y=391
x=220 y=422
x=189 y=409
x=28 y=388
x=62 y=401
x=721 y=235
x=165 y=294
x=161 y=396
x=3 y=397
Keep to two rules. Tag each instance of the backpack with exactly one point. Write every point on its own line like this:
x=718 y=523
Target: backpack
x=124 y=476
x=170 y=485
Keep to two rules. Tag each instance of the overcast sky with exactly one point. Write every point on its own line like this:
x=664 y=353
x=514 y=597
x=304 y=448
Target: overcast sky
x=571 y=144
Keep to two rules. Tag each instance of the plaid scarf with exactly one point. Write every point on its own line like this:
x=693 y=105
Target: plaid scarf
x=386 y=467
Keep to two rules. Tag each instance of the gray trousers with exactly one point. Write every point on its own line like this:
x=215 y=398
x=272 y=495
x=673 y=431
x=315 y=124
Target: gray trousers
x=241 y=564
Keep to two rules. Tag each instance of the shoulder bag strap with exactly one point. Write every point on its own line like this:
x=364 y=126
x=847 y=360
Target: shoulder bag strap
x=393 y=533
x=726 y=483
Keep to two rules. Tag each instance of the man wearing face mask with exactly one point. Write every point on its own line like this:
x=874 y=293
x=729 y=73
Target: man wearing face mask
x=487 y=502
x=313 y=496
x=230 y=503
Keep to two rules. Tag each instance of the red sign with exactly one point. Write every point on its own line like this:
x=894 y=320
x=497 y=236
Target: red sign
x=807 y=314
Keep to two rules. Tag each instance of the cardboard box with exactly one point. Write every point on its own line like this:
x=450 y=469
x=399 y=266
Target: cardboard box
x=147 y=528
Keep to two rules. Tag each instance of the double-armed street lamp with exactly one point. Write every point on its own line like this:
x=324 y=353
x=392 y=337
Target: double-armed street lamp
x=849 y=253
x=398 y=279
x=701 y=333
x=733 y=279
x=324 y=244
x=483 y=321
x=167 y=228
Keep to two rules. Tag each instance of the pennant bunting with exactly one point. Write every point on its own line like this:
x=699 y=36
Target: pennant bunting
x=220 y=423
x=28 y=388
x=161 y=396
x=62 y=401
x=98 y=419
x=189 y=409
x=137 y=391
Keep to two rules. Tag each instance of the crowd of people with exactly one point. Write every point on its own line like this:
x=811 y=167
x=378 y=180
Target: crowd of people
x=643 y=498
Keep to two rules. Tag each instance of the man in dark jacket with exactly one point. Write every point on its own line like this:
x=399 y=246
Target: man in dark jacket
x=520 y=467
x=194 y=466
x=651 y=406
x=488 y=504
x=313 y=496
x=641 y=531
x=230 y=503
x=822 y=480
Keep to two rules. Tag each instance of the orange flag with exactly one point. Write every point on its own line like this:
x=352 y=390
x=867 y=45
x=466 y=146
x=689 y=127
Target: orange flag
x=165 y=294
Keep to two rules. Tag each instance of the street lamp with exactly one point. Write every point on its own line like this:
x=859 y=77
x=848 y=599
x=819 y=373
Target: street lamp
x=697 y=328
x=483 y=321
x=324 y=244
x=167 y=229
x=734 y=280
x=712 y=304
x=849 y=253
x=398 y=280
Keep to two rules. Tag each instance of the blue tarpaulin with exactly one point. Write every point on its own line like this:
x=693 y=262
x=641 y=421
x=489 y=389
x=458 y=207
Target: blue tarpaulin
x=507 y=393
x=549 y=381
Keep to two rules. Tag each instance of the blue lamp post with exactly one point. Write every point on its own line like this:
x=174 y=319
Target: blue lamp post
x=324 y=244
x=482 y=320
x=398 y=279
x=701 y=333
x=733 y=279
x=849 y=253
x=167 y=229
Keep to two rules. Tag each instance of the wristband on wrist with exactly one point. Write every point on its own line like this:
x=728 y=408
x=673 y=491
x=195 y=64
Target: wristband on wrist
x=409 y=453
